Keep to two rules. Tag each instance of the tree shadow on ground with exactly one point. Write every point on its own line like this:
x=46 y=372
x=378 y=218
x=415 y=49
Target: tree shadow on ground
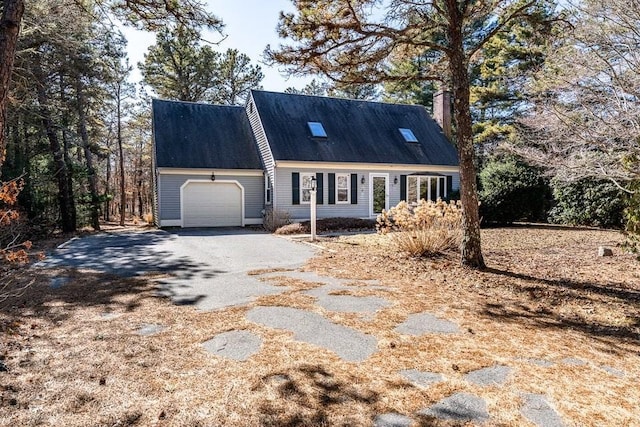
x=126 y=254
x=618 y=296
x=308 y=395
x=80 y=290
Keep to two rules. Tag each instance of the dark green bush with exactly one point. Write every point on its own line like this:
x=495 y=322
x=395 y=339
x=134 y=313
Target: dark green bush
x=588 y=202
x=511 y=190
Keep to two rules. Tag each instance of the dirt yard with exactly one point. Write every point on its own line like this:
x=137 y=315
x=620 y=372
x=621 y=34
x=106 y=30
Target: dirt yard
x=565 y=321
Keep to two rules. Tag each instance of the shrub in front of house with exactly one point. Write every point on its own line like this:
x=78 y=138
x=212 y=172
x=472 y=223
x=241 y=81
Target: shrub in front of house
x=590 y=202
x=274 y=219
x=511 y=190
x=325 y=225
x=424 y=230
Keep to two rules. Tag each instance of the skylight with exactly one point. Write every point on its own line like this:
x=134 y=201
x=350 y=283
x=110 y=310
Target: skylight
x=317 y=130
x=408 y=135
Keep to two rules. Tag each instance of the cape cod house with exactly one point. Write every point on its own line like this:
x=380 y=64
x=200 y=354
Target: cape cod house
x=226 y=165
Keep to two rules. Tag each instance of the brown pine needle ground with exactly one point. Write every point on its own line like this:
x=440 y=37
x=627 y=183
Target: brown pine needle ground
x=75 y=359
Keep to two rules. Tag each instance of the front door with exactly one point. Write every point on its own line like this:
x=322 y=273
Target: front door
x=378 y=193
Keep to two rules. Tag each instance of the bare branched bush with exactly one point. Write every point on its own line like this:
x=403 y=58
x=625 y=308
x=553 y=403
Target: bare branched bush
x=427 y=229
x=148 y=218
x=12 y=248
x=274 y=219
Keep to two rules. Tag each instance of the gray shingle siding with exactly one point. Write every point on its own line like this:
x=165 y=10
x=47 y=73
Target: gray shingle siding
x=169 y=196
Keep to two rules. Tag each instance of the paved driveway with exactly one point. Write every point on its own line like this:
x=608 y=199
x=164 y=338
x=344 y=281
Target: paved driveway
x=205 y=267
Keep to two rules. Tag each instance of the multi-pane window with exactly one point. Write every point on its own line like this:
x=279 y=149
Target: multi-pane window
x=306 y=184
x=268 y=191
x=342 y=187
x=426 y=187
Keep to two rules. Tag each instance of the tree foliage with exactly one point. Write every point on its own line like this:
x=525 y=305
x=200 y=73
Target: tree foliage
x=512 y=191
x=147 y=14
x=358 y=41
x=585 y=122
x=179 y=67
x=597 y=203
x=320 y=87
x=62 y=127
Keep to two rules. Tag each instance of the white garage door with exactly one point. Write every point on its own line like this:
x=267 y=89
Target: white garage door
x=211 y=204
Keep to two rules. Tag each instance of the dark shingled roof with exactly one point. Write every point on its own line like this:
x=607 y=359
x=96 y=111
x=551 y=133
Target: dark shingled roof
x=357 y=131
x=189 y=135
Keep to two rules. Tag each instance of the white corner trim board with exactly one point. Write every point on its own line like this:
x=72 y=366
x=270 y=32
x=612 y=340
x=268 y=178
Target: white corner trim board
x=230 y=218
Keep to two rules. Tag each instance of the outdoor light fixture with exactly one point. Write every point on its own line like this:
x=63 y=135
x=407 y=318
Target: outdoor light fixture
x=213 y=176
x=395 y=180
x=313 y=184
x=362 y=180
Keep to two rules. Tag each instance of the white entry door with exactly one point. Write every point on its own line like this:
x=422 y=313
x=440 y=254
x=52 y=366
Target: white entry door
x=378 y=193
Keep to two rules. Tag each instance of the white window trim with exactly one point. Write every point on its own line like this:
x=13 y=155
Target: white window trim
x=344 y=202
x=302 y=174
x=441 y=191
x=268 y=187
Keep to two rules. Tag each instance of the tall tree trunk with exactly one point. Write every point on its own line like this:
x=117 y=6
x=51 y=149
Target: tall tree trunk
x=91 y=172
x=139 y=180
x=65 y=194
x=471 y=252
x=65 y=150
x=123 y=196
x=140 y=189
x=107 y=186
x=12 y=11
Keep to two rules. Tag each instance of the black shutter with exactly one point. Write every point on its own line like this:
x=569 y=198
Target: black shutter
x=295 y=188
x=449 y=186
x=332 y=188
x=403 y=187
x=319 y=188
x=354 y=189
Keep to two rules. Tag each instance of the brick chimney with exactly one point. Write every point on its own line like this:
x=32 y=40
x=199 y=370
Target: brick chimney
x=442 y=111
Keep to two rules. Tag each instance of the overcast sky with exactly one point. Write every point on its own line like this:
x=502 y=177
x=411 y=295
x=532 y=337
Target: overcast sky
x=249 y=26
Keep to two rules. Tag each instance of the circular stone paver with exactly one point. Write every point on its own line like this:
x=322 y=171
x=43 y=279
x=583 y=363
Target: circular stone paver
x=486 y=376
x=459 y=407
x=421 y=378
x=236 y=345
x=425 y=323
x=392 y=419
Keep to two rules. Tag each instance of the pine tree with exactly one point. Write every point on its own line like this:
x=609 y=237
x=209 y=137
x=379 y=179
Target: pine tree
x=354 y=42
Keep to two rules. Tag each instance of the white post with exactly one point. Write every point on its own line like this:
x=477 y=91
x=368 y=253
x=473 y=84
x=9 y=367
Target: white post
x=313 y=214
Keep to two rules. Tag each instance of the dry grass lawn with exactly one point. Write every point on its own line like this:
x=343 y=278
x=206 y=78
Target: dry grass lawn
x=546 y=295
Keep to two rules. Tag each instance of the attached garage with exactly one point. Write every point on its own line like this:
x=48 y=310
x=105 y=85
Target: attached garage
x=212 y=204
